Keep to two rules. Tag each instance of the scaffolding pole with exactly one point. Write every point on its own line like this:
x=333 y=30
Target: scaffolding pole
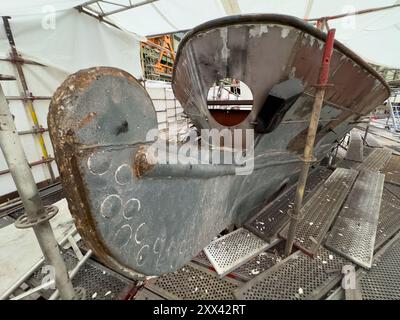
x=18 y=61
x=36 y=215
x=309 y=145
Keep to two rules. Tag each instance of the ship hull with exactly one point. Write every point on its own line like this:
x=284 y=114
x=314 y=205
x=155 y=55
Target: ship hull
x=145 y=218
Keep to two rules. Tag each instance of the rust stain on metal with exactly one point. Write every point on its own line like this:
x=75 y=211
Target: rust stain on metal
x=141 y=164
x=76 y=192
x=89 y=117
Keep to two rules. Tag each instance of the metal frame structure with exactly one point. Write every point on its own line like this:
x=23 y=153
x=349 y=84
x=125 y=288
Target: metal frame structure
x=27 y=98
x=308 y=157
x=36 y=215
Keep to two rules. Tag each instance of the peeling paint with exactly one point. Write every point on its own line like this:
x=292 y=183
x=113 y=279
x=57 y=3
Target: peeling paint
x=258 y=31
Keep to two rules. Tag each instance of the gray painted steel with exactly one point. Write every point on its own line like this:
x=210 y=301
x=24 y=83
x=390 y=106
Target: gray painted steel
x=353 y=234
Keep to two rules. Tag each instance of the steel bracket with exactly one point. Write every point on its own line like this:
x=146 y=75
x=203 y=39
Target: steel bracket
x=23 y=222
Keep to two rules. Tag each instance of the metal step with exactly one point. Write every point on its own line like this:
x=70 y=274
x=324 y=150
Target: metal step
x=250 y=269
x=234 y=249
x=376 y=160
x=382 y=282
x=389 y=217
x=321 y=209
x=193 y=282
x=298 y=277
x=353 y=234
x=392 y=170
x=355 y=147
x=271 y=219
x=371 y=141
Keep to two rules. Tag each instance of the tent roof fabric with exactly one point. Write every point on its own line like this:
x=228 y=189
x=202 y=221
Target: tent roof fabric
x=373 y=36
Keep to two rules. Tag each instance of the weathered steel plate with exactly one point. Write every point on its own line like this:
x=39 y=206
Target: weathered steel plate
x=321 y=209
x=193 y=282
x=234 y=249
x=298 y=277
x=353 y=234
x=355 y=147
x=271 y=219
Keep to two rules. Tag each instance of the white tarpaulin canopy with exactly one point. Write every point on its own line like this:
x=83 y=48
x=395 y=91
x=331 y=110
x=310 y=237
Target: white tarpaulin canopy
x=373 y=36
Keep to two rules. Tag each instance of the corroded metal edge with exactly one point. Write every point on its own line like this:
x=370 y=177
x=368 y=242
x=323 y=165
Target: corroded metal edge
x=64 y=146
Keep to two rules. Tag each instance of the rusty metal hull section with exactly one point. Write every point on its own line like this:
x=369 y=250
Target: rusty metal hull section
x=144 y=218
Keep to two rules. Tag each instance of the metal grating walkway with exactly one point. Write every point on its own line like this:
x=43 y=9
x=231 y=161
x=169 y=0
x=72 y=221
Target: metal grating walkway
x=270 y=220
x=100 y=282
x=372 y=142
x=355 y=147
x=376 y=160
x=234 y=249
x=392 y=170
x=389 y=217
x=353 y=234
x=193 y=282
x=298 y=277
x=320 y=210
x=382 y=282
x=250 y=269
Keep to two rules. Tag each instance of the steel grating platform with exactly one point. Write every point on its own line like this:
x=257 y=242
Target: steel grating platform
x=234 y=249
x=372 y=142
x=392 y=170
x=355 y=147
x=321 y=209
x=100 y=283
x=353 y=234
x=393 y=189
x=256 y=266
x=270 y=220
x=376 y=160
x=382 y=282
x=193 y=282
x=202 y=259
x=145 y=294
x=389 y=217
x=298 y=277
x=250 y=269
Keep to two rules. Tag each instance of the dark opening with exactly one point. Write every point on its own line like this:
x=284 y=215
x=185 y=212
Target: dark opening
x=281 y=97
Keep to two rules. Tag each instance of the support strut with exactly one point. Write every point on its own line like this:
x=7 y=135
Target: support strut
x=309 y=145
x=36 y=215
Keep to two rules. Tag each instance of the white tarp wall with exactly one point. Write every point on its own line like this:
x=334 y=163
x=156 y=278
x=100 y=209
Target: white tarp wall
x=65 y=42
x=373 y=36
